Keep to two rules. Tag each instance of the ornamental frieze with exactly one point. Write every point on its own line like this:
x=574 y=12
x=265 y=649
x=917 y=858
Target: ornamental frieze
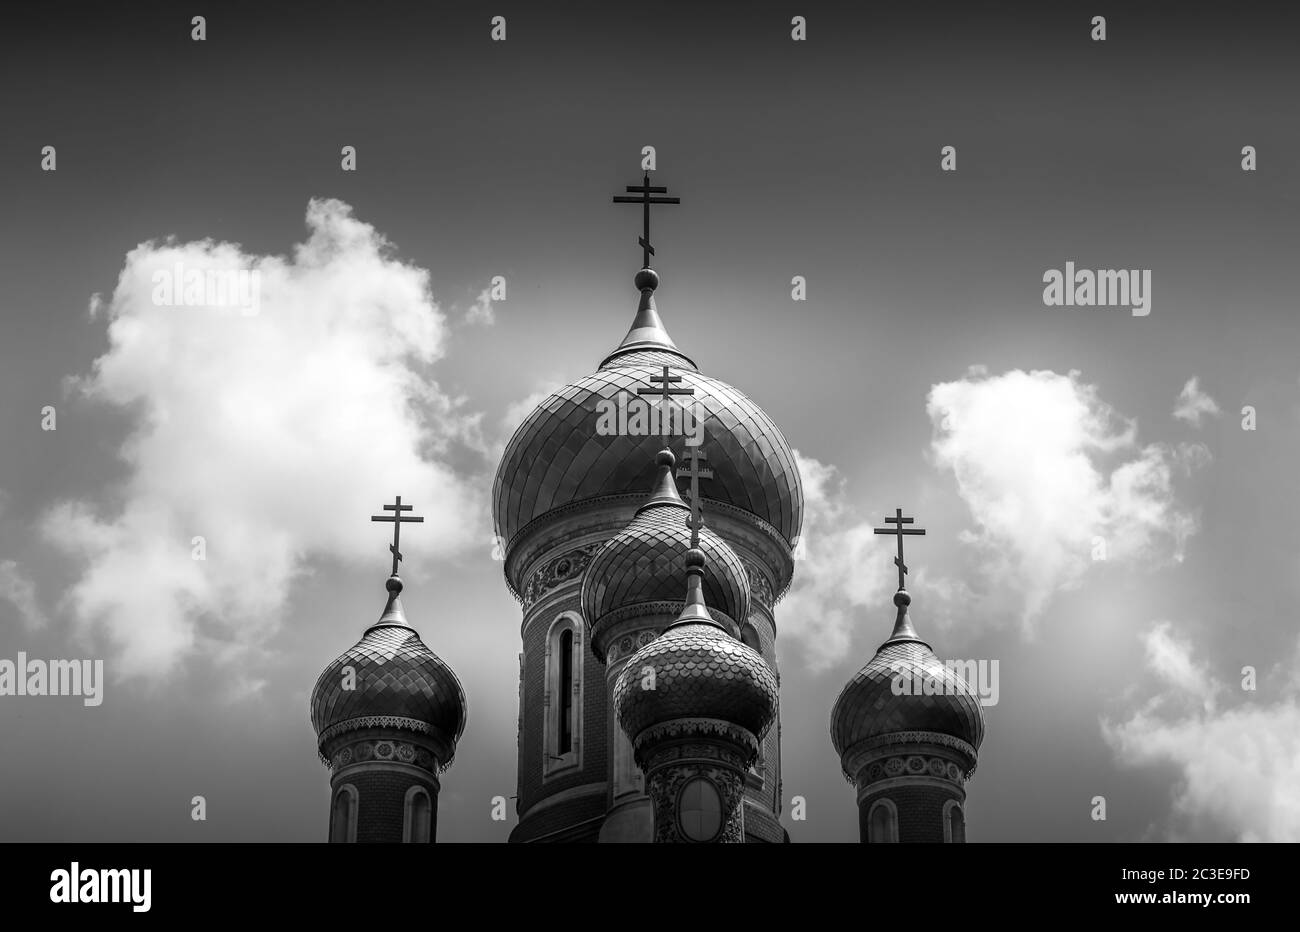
x=557 y=571
x=381 y=750
x=759 y=587
x=914 y=765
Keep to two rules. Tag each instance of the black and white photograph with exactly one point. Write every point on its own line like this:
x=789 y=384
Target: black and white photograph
x=535 y=423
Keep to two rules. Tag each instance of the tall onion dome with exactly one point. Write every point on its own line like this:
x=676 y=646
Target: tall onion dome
x=557 y=457
x=696 y=704
x=573 y=476
x=907 y=729
x=388 y=713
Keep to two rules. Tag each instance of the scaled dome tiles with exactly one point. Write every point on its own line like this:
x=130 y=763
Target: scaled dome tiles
x=556 y=456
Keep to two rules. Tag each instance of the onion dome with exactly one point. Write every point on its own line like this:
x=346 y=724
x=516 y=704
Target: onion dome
x=869 y=708
x=398 y=683
x=556 y=457
x=645 y=563
x=700 y=672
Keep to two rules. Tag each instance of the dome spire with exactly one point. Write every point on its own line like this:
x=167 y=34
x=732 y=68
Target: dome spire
x=394 y=615
x=665 y=487
x=695 y=612
x=647 y=331
x=903 y=630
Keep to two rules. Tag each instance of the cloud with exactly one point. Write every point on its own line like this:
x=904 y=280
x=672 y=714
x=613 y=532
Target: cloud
x=1193 y=404
x=273 y=435
x=17 y=589
x=482 y=311
x=839 y=579
x=1032 y=455
x=1239 y=768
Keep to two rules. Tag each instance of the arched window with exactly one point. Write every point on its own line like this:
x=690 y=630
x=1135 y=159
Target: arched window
x=417 y=828
x=749 y=635
x=562 y=728
x=343 y=815
x=565 y=696
x=882 y=822
x=954 y=822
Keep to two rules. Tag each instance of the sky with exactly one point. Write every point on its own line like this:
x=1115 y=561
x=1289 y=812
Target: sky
x=924 y=370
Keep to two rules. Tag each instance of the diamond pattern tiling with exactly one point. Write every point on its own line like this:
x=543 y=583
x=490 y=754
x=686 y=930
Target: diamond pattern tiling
x=556 y=456
x=396 y=674
x=699 y=672
x=867 y=707
x=646 y=562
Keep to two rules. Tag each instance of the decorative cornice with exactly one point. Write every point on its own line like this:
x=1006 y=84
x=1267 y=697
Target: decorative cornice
x=600 y=627
x=759 y=586
x=567 y=567
x=685 y=729
x=635 y=499
x=859 y=754
x=384 y=751
x=375 y=721
x=629 y=644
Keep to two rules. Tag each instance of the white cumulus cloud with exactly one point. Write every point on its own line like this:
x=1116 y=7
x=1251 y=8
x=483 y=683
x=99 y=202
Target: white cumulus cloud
x=1239 y=767
x=1194 y=404
x=839 y=578
x=18 y=590
x=1051 y=474
x=272 y=435
x=482 y=311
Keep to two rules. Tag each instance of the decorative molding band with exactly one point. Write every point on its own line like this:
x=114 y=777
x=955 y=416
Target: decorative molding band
x=375 y=721
x=629 y=644
x=384 y=751
x=567 y=567
x=649 y=753
x=869 y=756
x=637 y=499
x=759 y=585
x=600 y=627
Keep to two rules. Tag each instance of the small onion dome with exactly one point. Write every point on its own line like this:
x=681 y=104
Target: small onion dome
x=700 y=671
x=869 y=708
x=398 y=683
x=646 y=561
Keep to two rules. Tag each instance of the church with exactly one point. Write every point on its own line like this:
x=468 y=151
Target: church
x=648 y=678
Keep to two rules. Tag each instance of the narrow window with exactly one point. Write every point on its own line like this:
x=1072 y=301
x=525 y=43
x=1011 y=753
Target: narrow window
x=419 y=817
x=882 y=824
x=343 y=815
x=566 y=692
x=955 y=827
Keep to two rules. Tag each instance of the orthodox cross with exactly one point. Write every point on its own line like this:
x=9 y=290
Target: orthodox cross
x=695 y=457
x=645 y=189
x=665 y=391
x=898 y=530
x=398 y=520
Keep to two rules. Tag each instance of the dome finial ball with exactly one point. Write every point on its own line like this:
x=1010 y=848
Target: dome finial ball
x=646 y=280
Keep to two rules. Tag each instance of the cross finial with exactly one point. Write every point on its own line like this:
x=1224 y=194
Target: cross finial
x=398 y=520
x=665 y=391
x=898 y=530
x=694 y=458
x=645 y=189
